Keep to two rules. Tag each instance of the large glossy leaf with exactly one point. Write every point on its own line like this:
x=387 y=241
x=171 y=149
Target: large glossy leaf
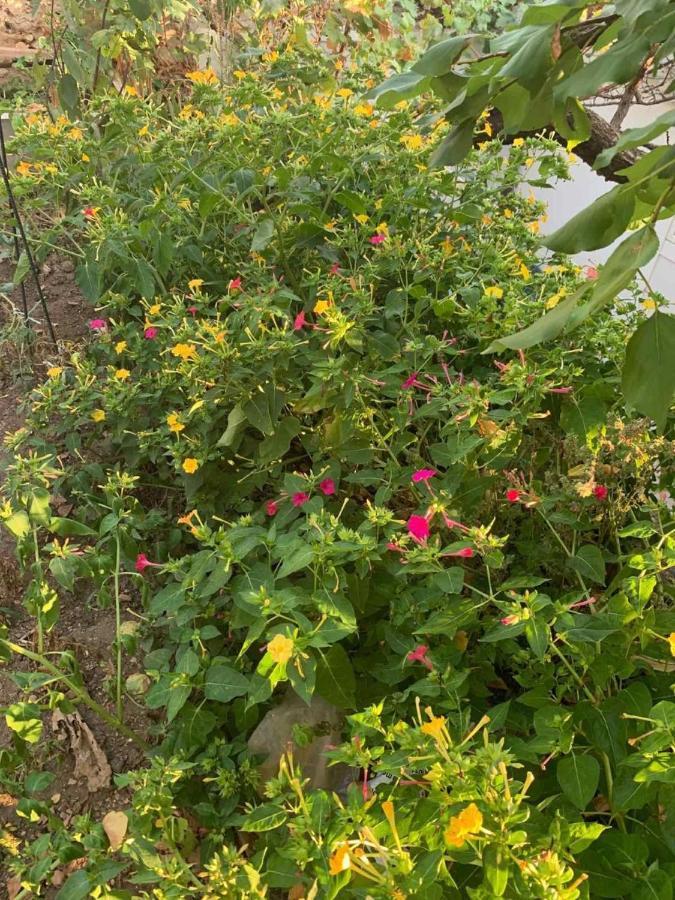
x=578 y=776
x=335 y=679
x=649 y=370
x=399 y=87
x=454 y=146
x=597 y=225
x=618 y=65
x=531 y=63
x=223 y=683
x=438 y=60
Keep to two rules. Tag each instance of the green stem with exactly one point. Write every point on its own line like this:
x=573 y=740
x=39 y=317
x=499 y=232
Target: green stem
x=79 y=692
x=118 y=631
x=38 y=566
x=573 y=673
x=609 y=778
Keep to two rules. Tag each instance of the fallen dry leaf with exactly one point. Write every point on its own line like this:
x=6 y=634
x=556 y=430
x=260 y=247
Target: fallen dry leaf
x=115 y=825
x=13 y=887
x=91 y=763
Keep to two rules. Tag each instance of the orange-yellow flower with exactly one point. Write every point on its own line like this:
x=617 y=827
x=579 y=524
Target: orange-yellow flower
x=120 y=346
x=122 y=374
x=280 y=649
x=195 y=283
x=174 y=423
x=205 y=76
x=412 y=141
x=434 y=727
x=190 y=465
x=98 y=415
x=340 y=860
x=54 y=371
x=184 y=351
x=496 y=292
x=187 y=518
x=671 y=642
x=466 y=824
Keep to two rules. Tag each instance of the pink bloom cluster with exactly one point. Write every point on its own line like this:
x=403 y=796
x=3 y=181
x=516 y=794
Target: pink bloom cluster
x=327 y=488
x=98 y=324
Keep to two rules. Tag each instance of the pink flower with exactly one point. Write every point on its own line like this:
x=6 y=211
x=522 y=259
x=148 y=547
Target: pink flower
x=327 y=486
x=192 y=310
x=150 y=333
x=377 y=239
x=271 y=507
x=600 y=492
x=89 y=212
x=465 y=552
x=142 y=563
x=452 y=523
x=235 y=284
x=423 y=475
x=98 y=324
x=418 y=528
x=560 y=390
x=410 y=381
x=513 y=495
x=395 y=548
x=590 y=272
x=299 y=321
x=419 y=654
x=335 y=269
x=299 y=498
x=510 y=620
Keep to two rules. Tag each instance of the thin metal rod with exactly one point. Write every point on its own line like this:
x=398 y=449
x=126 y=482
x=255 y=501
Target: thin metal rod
x=22 y=233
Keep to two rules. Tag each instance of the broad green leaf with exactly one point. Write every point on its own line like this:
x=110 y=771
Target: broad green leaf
x=263 y=235
x=236 y=422
x=69 y=94
x=439 y=59
x=90 y=280
x=38 y=781
x=648 y=376
x=636 y=137
x=544 y=329
x=335 y=679
x=530 y=64
x=578 y=776
x=296 y=560
x=21 y=269
x=142 y=9
x=454 y=146
x=538 y=635
x=70 y=527
x=278 y=443
x=145 y=280
x=18 y=523
x=22 y=719
x=177 y=699
x=264 y=818
x=597 y=225
x=77 y=887
x=618 y=65
x=572 y=121
x=589 y=563
x=223 y=683
x=263 y=409
x=399 y=87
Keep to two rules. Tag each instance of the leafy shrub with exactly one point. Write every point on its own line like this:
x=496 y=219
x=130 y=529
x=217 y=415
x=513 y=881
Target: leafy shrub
x=284 y=428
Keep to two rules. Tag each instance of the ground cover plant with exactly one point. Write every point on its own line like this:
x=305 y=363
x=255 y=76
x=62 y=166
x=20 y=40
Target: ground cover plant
x=292 y=470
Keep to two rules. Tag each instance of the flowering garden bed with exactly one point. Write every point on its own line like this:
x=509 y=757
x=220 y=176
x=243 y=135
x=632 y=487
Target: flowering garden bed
x=294 y=469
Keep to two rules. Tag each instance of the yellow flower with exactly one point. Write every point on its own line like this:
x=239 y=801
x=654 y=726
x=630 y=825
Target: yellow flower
x=344 y=92
x=85 y=158
x=330 y=226
x=143 y=131
x=185 y=203
x=671 y=642
x=321 y=306
x=412 y=141
x=207 y=76
x=230 y=119
x=649 y=304
x=434 y=727
x=98 y=415
x=184 y=351
x=466 y=824
x=401 y=104
x=238 y=74
x=277 y=94
x=195 y=283
x=518 y=142
x=364 y=109
x=280 y=649
x=362 y=218
x=190 y=465
x=339 y=65
x=321 y=101
x=33 y=119
x=187 y=518
x=122 y=374
x=270 y=57
x=75 y=134
x=382 y=228
x=24 y=168
x=495 y=292
x=51 y=168
x=524 y=272
x=55 y=371
x=154 y=309
x=534 y=227
x=508 y=213
x=339 y=861
x=174 y=423
x=120 y=346
x=130 y=90
x=487 y=128
x=555 y=299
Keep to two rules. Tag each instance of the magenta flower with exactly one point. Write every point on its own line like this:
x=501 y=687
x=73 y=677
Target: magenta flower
x=423 y=475
x=377 y=239
x=335 y=269
x=560 y=390
x=419 y=654
x=271 y=507
x=410 y=381
x=299 y=321
x=299 y=498
x=465 y=553
x=235 y=284
x=395 y=548
x=327 y=486
x=142 y=563
x=418 y=528
x=453 y=523
x=600 y=492
x=98 y=324
x=192 y=310
x=513 y=495
x=150 y=333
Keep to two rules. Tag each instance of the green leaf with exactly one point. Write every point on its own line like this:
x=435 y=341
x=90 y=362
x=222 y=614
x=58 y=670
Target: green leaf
x=544 y=329
x=454 y=146
x=335 y=680
x=38 y=781
x=399 y=87
x=146 y=280
x=22 y=268
x=278 y=444
x=296 y=560
x=142 y=9
x=266 y=817
x=263 y=235
x=589 y=563
x=263 y=410
x=636 y=137
x=578 y=776
x=224 y=683
x=496 y=868
x=177 y=699
x=616 y=66
x=439 y=59
x=90 y=280
x=22 y=719
x=236 y=422
x=70 y=527
x=18 y=523
x=648 y=377
x=531 y=63
x=77 y=887
x=538 y=635
x=597 y=225
x=69 y=94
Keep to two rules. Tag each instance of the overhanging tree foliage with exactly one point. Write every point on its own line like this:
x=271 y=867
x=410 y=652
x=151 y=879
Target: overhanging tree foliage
x=538 y=76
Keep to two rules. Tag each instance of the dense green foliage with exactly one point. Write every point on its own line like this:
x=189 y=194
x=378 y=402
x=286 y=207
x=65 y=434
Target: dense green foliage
x=285 y=439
